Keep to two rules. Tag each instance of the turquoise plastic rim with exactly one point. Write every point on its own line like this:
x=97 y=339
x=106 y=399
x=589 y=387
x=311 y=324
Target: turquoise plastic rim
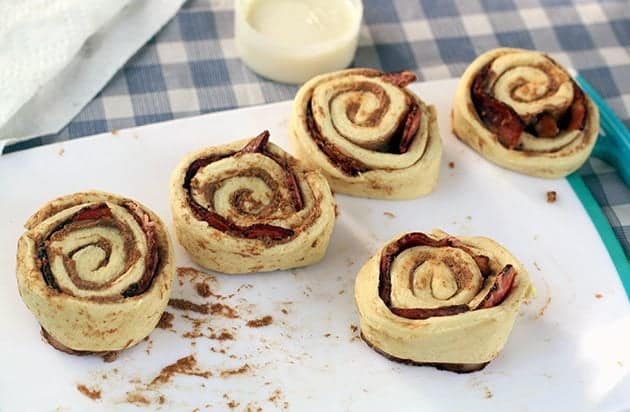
x=613 y=146
x=603 y=228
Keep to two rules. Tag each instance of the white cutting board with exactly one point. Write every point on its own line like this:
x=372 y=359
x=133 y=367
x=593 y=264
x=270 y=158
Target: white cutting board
x=568 y=350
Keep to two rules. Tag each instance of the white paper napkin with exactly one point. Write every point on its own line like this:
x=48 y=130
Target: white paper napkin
x=56 y=55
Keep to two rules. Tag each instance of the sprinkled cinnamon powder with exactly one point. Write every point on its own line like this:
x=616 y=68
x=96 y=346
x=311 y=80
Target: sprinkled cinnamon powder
x=182 y=304
x=389 y=215
x=203 y=289
x=93 y=394
x=189 y=271
x=224 y=335
x=259 y=323
x=166 y=321
x=137 y=399
x=551 y=196
x=223 y=310
x=275 y=395
x=253 y=407
x=183 y=366
x=231 y=372
x=451 y=165
x=599 y=296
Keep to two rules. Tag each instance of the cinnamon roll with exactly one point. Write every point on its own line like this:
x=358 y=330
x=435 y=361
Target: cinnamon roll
x=96 y=271
x=523 y=111
x=368 y=134
x=249 y=206
x=440 y=300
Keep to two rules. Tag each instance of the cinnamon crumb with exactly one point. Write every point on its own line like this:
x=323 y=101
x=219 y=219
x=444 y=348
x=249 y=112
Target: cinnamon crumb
x=166 y=321
x=336 y=210
x=137 y=399
x=161 y=400
x=354 y=328
x=327 y=335
x=224 y=335
x=252 y=407
x=183 y=366
x=232 y=404
x=231 y=372
x=551 y=196
x=192 y=335
x=203 y=289
x=283 y=310
x=93 y=394
x=599 y=296
x=276 y=398
x=275 y=395
x=451 y=165
x=182 y=304
x=258 y=323
x=109 y=357
x=223 y=310
x=341 y=292
x=389 y=215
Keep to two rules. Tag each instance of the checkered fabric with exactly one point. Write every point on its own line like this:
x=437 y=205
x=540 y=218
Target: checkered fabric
x=191 y=66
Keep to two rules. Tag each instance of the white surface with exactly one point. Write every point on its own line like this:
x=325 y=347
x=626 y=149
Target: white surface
x=58 y=54
x=292 y=41
x=574 y=357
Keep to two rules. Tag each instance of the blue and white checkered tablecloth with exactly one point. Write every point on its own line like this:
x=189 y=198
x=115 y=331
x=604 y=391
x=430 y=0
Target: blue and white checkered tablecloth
x=191 y=66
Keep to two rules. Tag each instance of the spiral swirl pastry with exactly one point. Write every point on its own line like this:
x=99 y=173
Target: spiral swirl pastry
x=439 y=300
x=249 y=206
x=523 y=111
x=368 y=134
x=96 y=271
